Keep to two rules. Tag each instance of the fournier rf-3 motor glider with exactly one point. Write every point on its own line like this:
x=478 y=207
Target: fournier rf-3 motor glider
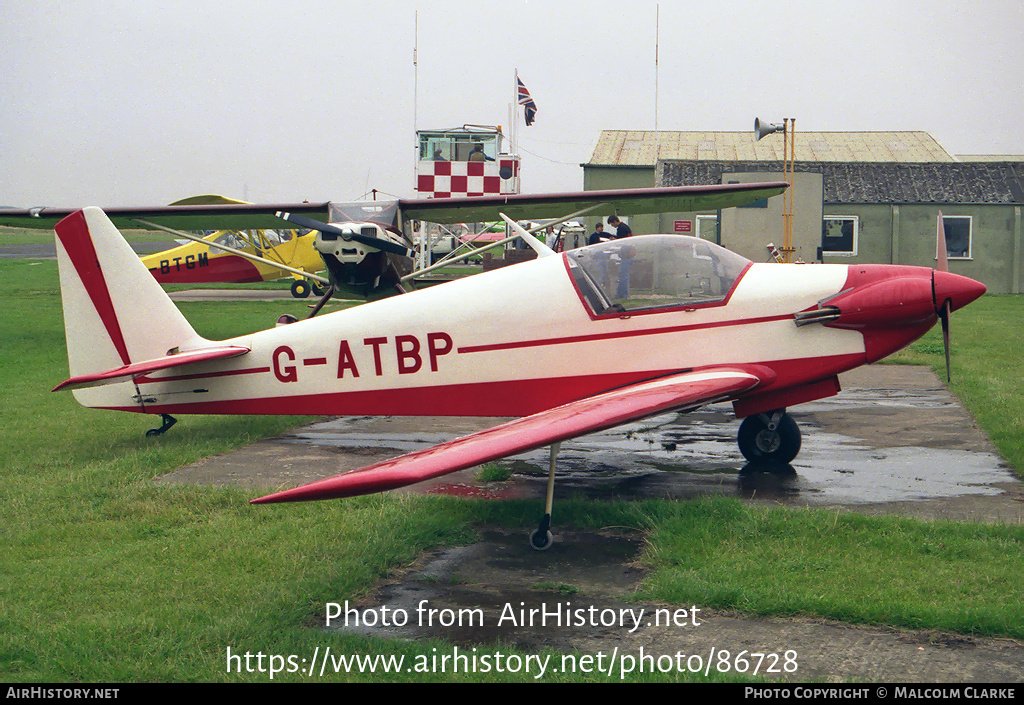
x=653 y=323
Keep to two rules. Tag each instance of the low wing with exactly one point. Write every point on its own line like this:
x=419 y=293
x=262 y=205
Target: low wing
x=203 y=216
x=161 y=363
x=679 y=199
x=684 y=391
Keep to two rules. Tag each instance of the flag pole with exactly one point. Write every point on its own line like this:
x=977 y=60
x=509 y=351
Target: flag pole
x=515 y=113
x=415 y=92
x=657 y=141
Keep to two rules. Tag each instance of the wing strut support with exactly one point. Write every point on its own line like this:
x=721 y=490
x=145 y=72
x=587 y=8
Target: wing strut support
x=232 y=250
x=539 y=247
x=449 y=259
x=323 y=299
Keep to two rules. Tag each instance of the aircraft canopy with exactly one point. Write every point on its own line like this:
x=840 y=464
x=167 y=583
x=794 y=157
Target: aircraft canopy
x=654 y=272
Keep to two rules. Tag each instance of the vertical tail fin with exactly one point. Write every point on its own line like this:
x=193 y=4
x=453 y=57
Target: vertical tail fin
x=115 y=313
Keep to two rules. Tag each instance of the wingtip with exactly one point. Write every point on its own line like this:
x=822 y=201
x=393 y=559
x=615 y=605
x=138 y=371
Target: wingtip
x=278 y=497
x=331 y=488
x=302 y=493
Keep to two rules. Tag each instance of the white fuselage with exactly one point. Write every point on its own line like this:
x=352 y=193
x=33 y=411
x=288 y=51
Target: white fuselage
x=503 y=343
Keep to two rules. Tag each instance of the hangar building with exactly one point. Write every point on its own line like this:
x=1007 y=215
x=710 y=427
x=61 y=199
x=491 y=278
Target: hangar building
x=869 y=197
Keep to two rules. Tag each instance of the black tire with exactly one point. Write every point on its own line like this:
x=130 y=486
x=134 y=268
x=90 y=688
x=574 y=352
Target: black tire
x=541 y=540
x=300 y=288
x=318 y=288
x=760 y=445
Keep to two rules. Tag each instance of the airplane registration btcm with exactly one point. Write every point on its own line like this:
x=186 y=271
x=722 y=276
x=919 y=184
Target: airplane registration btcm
x=571 y=343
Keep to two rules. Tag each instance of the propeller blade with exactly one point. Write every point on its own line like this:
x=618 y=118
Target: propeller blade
x=944 y=314
x=310 y=224
x=382 y=244
x=941 y=263
x=945 y=310
x=379 y=243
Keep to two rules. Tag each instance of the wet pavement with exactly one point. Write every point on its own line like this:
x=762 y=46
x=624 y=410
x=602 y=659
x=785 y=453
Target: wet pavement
x=895 y=440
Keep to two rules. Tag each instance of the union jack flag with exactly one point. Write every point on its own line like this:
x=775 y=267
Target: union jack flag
x=527 y=102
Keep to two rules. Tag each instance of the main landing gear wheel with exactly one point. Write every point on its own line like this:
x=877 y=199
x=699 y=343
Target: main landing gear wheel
x=301 y=288
x=541 y=539
x=769 y=437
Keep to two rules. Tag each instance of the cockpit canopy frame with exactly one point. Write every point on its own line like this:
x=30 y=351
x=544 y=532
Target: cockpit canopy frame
x=654 y=273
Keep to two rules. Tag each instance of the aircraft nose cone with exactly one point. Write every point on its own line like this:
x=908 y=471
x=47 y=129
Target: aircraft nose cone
x=959 y=290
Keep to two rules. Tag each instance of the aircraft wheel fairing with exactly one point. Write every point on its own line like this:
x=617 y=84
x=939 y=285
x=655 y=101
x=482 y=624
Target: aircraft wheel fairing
x=763 y=437
x=300 y=288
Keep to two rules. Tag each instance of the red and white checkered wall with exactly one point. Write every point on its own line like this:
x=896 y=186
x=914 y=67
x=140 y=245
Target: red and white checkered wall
x=451 y=179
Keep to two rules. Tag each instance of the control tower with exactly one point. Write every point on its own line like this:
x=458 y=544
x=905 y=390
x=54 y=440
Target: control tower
x=465 y=161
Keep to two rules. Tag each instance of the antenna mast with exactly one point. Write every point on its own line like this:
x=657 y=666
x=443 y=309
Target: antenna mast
x=415 y=87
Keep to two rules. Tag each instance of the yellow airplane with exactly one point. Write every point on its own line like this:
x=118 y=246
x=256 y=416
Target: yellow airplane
x=240 y=256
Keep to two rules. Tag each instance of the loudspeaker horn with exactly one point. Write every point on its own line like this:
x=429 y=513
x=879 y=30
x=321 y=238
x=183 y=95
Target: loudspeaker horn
x=763 y=129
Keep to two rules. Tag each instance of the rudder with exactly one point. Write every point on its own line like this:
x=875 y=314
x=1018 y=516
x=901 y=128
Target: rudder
x=115 y=312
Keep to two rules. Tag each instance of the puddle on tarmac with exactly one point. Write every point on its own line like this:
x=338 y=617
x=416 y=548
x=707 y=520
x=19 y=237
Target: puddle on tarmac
x=695 y=454
x=484 y=592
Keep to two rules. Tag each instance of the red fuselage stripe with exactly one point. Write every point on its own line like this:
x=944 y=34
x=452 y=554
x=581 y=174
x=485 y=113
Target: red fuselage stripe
x=219 y=268
x=499 y=398
x=620 y=334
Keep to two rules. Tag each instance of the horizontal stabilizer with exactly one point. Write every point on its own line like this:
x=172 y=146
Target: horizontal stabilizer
x=161 y=363
x=684 y=391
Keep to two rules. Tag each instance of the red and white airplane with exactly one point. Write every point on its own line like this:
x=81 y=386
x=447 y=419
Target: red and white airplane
x=650 y=324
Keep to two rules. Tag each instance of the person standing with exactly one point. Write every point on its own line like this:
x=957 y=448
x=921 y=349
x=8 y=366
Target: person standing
x=599 y=235
x=621 y=229
x=625 y=257
x=550 y=237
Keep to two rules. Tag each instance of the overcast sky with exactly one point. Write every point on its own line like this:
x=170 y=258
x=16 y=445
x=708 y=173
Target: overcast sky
x=142 y=103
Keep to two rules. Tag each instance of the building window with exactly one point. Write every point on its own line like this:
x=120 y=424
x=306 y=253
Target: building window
x=839 y=234
x=958 y=236
x=707 y=228
x=449 y=147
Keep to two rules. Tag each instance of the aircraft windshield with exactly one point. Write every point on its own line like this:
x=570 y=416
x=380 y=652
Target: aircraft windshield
x=231 y=240
x=654 y=272
x=273 y=238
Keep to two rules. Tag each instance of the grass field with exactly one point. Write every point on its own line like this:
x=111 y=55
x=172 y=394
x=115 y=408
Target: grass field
x=107 y=576
x=987 y=369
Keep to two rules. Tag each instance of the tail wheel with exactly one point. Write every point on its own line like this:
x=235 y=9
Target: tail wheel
x=772 y=436
x=300 y=288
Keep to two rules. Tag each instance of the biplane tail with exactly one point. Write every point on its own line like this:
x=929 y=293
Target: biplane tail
x=118 y=321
